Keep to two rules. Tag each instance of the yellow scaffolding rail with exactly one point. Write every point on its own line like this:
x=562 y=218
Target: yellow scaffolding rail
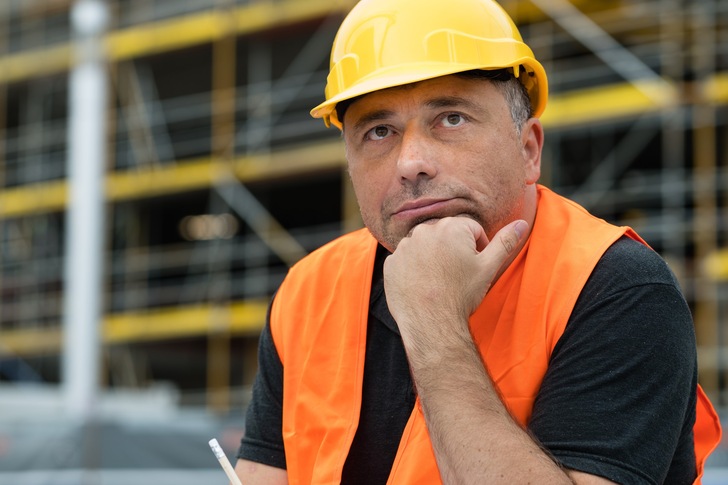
x=173 y=178
x=171 y=34
x=237 y=318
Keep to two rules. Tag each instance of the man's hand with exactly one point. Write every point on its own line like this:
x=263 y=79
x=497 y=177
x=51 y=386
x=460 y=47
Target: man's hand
x=438 y=276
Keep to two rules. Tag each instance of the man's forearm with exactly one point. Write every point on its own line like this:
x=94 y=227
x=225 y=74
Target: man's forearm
x=474 y=437
x=251 y=473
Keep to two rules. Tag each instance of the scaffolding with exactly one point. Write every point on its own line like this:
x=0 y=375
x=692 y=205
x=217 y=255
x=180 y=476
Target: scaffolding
x=217 y=179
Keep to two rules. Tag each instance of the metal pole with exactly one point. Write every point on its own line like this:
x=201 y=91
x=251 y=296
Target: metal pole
x=84 y=216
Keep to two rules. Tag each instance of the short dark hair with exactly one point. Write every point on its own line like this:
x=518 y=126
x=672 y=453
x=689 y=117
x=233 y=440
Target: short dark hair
x=512 y=89
x=342 y=106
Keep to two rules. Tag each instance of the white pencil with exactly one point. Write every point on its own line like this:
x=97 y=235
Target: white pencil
x=224 y=462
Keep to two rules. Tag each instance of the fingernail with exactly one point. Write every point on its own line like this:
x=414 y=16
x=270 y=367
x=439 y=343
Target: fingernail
x=521 y=227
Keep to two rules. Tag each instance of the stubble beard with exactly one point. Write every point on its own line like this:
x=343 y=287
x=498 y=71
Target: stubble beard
x=491 y=214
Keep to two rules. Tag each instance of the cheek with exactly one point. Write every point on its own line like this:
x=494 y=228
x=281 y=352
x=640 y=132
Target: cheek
x=497 y=178
x=366 y=188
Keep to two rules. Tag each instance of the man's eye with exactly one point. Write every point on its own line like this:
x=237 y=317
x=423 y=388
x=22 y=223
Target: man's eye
x=378 y=133
x=453 y=119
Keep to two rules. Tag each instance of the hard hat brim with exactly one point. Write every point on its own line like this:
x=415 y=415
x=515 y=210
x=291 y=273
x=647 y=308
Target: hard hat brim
x=408 y=74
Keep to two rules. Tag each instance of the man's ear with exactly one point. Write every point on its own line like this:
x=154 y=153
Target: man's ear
x=532 y=146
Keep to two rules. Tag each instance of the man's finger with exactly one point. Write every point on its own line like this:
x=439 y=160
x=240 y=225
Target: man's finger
x=506 y=241
x=481 y=239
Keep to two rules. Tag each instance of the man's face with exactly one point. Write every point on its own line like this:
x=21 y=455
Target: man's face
x=438 y=148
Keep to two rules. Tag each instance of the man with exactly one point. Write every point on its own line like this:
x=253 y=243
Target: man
x=481 y=329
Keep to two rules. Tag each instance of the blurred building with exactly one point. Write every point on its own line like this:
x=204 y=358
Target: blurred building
x=217 y=179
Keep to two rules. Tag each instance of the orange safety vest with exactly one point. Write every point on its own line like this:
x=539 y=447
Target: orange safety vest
x=319 y=321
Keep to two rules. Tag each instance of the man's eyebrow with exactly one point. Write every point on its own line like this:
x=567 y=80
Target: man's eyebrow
x=451 y=102
x=367 y=118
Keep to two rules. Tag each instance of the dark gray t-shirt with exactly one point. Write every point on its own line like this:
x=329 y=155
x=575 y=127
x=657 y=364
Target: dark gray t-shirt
x=618 y=399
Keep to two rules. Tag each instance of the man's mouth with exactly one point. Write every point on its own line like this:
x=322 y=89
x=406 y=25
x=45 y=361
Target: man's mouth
x=423 y=209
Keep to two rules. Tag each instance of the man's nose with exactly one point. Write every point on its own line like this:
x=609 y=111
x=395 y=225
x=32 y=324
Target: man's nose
x=416 y=159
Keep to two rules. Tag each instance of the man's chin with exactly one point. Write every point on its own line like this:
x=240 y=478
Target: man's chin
x=390 y=241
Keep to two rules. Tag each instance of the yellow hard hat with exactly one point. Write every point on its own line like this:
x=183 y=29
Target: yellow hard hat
x=386 y=43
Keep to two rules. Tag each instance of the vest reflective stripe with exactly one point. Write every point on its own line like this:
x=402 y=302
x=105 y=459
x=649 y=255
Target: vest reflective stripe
x=318 y=321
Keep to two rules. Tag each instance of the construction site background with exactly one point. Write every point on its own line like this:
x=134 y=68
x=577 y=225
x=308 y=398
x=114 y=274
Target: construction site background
x=159 y=172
